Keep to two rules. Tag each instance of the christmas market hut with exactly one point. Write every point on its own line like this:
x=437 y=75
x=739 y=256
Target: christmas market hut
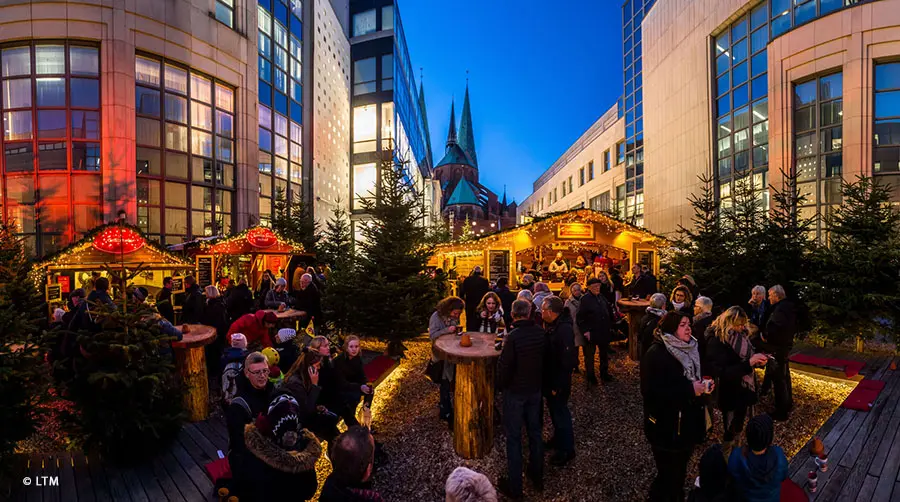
x=576 y=238
x=112 y=250
x=247 y=255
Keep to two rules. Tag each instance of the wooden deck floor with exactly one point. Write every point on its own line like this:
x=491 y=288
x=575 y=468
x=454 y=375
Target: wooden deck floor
x=863 y=447
x=177 y=475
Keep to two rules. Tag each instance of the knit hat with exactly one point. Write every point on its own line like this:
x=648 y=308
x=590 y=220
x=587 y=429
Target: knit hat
x=465 y=484
x=272 y=355
x=270 y=318
x=285 y=334
x=140 y=293
x=238 y=341
x=280 y=282
x=713 y=470
x=282 y=417
x=760 y=432
x=212 y=291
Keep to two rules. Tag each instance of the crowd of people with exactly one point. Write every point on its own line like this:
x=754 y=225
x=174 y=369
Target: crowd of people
x=694 y=358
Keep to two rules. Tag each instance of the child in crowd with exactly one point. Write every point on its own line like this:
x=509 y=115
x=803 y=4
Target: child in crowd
x=712 y=485
x=759 y=468
x=273 y=358
x=233 y=364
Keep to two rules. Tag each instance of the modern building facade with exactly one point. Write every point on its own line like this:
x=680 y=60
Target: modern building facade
x=590 y=174
x=389 y=118
x=188 y=115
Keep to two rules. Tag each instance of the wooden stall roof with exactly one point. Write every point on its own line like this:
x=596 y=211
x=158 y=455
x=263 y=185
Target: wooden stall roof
x=83 y=255
x=547 y=224
x=240 y=244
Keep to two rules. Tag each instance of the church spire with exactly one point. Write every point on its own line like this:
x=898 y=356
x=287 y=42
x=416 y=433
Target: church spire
x=466 y=134
x=451 y=134
x=503 y=204
x=424 y=114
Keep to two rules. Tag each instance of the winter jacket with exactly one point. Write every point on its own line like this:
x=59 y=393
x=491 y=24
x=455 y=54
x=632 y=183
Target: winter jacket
x=237 y=415
x=562 y=357
x=437 y=327
x=781 y=327
x=97 y=297
x=192 y=310
x=309 y=300
x=726 y=366
x=507 y=298
x=572 y=304
x=335 y=491
x=307 y=398
x=271 y=473
x=646 y=329
x=252 y=326
x=521 y=365
x=491 y=323
x=594 y=317
x=274 y=299
x=759 y=314
x=216 y=315
x=642 y=286
x=232 y=354
x=350 y=373
x=701 y=322
x=758 y=478
x=673 y=416
x=164 y=304
x=472 y=291
x=239 y=302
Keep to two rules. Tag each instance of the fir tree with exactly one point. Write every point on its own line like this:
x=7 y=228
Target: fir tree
x=22 y=314
x=395 y=297
x=294 y=220
x=786 y=245
x=855 y=289
x=439 y=231
x=336 y=247
x=466 y=232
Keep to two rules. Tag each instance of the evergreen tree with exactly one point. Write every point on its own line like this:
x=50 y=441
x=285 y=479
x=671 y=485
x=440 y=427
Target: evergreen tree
x=855 y=289
x=786 y=245
x=395 y=297
x=439 y=231
x=22 y=314
x=336 y=247
x=294 y=220
x=466 y=233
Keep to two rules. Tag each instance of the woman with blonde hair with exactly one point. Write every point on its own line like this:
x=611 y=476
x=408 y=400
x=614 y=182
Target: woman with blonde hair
x=490 y=314
x=730 y=361
x=351 y=379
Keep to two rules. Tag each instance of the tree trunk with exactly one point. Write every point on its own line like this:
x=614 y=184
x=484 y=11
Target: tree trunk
x=191 y=364
x=473 y=410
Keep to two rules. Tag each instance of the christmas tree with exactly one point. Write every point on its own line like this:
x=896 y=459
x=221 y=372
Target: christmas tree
x=293 y=219
x=787 y=248
x=336 y=249
x=855 y=289
x=22 y=315
x=395 y=297
x=466 y=233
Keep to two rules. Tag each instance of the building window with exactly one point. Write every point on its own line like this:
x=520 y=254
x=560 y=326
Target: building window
x=364 y=179
x=581 y=177
x=185 y=151
x=886 y=152
x=818 y=112
x=387 y=17
x=365 y=126
x=364 y=23
x=591 y=171
x=50 y=163
x=620 y=152
x=387 y=72
x=225 y=12
x=364 y=76
x=620 y=202
x=601 y=202
x=570 y=184
x=606 y=161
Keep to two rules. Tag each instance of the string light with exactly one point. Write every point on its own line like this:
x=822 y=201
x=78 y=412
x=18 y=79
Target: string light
x=241 y=244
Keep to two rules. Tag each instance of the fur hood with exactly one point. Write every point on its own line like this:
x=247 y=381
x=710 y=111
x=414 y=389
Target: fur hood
x=290 y=461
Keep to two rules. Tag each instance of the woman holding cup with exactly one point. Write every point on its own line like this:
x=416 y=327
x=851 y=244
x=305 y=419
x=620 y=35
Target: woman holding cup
x=730 y=360
x=674 y=408
x=445 y=320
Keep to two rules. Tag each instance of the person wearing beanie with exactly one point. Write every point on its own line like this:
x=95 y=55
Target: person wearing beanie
x=236 y=353
x=712 y=485
x=278 y=296
x=466 y=485
x=280 y=464
x=255 y=327
x=759 y=468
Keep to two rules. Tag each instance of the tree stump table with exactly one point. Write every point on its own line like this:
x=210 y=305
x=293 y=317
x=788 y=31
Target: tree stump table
x=473 y=404
x=634 y=310
x=190 y=361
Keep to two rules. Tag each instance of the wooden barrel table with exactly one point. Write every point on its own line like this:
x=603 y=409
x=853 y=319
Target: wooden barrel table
x=634 y=310
x=190 y=361
x=473 y=404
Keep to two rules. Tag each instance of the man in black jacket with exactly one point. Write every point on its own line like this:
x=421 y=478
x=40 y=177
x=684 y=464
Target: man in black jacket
x=308 y=299
x=164 y=304
x=239 y=301
x=507 y=297
x=647 y=326
x=778 y=339
x=473 y=290
x=252 y=398
x=594 y=321
x=519 y=375
x=353 y=460
x=192 y=310
x=562 y=359
x=642 y=285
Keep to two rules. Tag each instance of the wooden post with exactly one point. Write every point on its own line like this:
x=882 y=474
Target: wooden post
x=473 y=427
x=860 y=344
x=191 y=365
x=634 y=324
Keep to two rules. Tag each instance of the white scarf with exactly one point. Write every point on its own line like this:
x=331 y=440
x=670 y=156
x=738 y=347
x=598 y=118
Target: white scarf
x=686 y=353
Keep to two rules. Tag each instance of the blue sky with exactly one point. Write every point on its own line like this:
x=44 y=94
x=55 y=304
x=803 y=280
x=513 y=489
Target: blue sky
x=540 y=73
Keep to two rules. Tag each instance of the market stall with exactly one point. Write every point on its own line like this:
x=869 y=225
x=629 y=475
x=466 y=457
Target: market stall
x=110 y=251
x=590 y=235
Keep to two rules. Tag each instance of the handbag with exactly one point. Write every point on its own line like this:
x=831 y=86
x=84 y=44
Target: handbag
x=434 y=370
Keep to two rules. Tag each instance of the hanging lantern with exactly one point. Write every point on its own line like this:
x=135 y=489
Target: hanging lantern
x=118 y=240
x=262 y=237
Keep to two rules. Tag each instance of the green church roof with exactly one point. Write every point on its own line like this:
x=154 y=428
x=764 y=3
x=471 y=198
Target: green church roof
x=463 y=194
x=455 y=155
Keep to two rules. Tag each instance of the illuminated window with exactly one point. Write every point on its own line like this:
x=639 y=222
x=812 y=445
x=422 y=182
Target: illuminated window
x=364 y=128
x=50 y=161
x=185 y=152
x=365 y=176
x=387 y=126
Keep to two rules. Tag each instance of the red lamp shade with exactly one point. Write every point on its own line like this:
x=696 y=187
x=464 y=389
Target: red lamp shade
x=118 y=240
x=262 y=237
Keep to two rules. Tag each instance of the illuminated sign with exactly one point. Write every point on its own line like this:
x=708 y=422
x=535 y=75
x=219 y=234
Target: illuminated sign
x=575 y=231
x=262 y=237
x=118 y=240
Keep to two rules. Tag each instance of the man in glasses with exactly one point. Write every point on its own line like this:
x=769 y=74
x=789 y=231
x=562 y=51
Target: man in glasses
x=252 y=398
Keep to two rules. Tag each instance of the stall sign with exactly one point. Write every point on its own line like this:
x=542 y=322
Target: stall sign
x=262 y=237
x=118 y=240
x=205 y=271
x=53 y=293
x=65 y=284
x=575 y=231
x=499 y=264
x=178 y=284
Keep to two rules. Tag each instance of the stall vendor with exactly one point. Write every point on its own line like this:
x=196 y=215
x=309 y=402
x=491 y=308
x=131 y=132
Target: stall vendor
x=559 y=265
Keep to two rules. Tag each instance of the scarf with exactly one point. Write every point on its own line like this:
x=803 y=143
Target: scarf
x=655 y=311
x=741 y=345
x=677 y=306
x=686 y=353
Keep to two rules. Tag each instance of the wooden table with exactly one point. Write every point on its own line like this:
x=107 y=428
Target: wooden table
x=473 y=407
x=190 y=360
x=292 y=315
x=634 y=310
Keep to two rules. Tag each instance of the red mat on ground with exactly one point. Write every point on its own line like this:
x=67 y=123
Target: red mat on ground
x=379 y=367
x=851 y=368
x=864 y=395
x=791 y=492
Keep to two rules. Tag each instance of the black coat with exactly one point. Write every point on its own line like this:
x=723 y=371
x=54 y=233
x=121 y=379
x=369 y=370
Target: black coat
x=164 y=305
x=562 y=358
x=507 y=298
x=350 y=372
x=239 y=302
x=334 y=491
x=643 y=286
x=270 y=473
x=646 y=328
x=521 y=366
x=594 y=316
x=192 y=310
x=673 y=416
x=757 y=318
x=216 y=315
x=725 y=365
x=237 y=416
x=698 y=329
x=473 y=290
x=309 y=300
x=780 y=328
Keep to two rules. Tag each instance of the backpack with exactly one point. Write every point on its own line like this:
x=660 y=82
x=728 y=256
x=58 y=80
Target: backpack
x=229 y=380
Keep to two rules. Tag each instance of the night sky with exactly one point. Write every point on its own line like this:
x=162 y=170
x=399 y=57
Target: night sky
x=540 y=73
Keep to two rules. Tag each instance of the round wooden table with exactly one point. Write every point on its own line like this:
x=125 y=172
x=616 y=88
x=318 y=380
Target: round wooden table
x=634 y=310
x=473 y=406
x=190 y=360
x=289 y=315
